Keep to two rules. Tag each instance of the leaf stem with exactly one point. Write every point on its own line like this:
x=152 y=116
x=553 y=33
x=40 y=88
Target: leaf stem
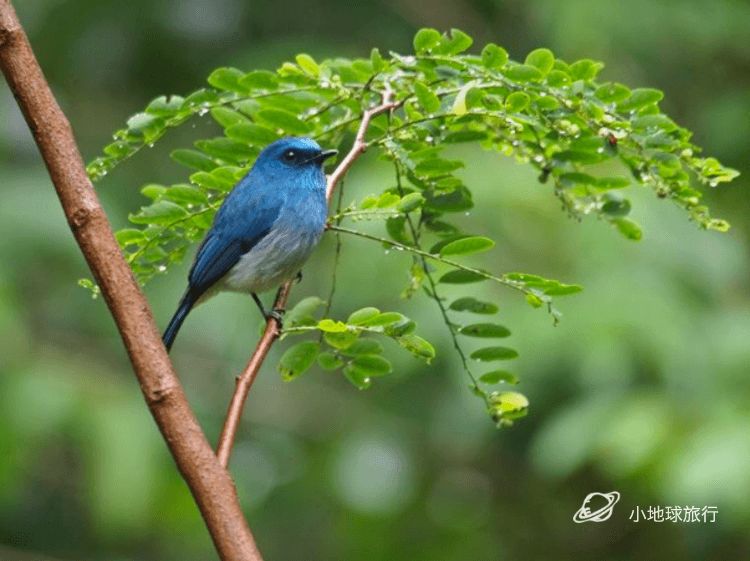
x=434 y=257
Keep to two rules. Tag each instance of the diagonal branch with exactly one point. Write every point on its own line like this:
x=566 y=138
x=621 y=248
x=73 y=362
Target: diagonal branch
x=272 y=330
x=210 y=484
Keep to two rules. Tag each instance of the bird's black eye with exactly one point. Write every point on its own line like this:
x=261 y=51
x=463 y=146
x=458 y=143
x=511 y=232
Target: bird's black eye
x=289 y=155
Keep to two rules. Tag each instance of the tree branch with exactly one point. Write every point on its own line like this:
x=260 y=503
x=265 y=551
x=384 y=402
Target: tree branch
x=208 y=481
x=271 y=332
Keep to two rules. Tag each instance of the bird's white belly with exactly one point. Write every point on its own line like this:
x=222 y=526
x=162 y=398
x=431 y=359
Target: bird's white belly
x=277 y=258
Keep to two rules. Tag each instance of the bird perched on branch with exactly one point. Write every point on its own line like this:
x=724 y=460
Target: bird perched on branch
x=264 y=231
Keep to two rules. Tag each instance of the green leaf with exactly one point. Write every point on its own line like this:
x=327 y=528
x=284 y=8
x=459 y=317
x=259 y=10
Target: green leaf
x=523 y=73
x=370 y=365
x=466 y=246
x=461 y=276
x=411 y=202
x=227 y=117
x=517 y=102
x=616 y=206
x=468 y=304
x=436 y=167
x=426 y=39
x=494 y=57
x=259 y=80
x=364 y=347
x=585 y=69
x=488 y=354
x=193 y=159
x=534 y=301
x=558 y=78
x=357 y=378
x=640 y=97
x=429 y=101
x=162 y=212
x=227 y=79
x=329 y=361
x=298 y=359
x=308 y=64
x=252 y=133
x=457 y=43
x=130 y=236
x=504 y=403
x=226 y=149
x=614 y=182
x=341 y=340
x=541 y=59
x=628 y=228
x=186 y=194
x=656 y=121
x=363 y=315
x=612 y=92
x=284 y=120
x=303 y=313
x=417 y=346
x=487 y=330
x=164 y=106
x=497 y=376
x=377 y=61
x=332 y=326
x=383 y=319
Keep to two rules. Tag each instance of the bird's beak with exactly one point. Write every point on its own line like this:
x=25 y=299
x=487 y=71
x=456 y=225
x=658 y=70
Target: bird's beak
x=325 y=154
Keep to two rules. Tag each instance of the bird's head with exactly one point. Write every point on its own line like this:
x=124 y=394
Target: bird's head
x=294 y=154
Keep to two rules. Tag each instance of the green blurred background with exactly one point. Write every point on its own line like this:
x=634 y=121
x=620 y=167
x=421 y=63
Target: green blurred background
x=643 y=388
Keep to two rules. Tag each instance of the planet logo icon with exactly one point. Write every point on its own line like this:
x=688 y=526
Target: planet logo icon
x=596 y=507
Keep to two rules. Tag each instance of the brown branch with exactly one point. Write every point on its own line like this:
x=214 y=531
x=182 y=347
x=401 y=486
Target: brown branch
x=208 y=481
x=271 y=332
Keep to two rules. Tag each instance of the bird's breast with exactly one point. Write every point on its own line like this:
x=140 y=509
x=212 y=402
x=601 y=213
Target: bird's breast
x=279 y=256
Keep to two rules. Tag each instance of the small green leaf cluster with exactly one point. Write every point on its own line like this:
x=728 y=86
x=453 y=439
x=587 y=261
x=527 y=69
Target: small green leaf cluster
x=348 y=346
x=589 y=139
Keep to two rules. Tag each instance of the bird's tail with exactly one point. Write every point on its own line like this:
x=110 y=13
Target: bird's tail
x=179 y=316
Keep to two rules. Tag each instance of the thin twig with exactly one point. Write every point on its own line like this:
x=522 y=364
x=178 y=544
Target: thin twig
x=246 y=379
x=208 y=481
x=516 y=285
x=337 y=253
x=271 y=332
x=433 y=293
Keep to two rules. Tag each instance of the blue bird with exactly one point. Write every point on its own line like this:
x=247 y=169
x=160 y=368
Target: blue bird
x=264 y=231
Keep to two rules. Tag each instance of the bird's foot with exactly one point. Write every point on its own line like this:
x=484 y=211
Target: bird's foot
x=298 y=278
x=278 y=315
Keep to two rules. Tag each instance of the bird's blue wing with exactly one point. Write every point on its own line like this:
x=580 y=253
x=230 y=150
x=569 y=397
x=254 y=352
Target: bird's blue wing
x=246 y=217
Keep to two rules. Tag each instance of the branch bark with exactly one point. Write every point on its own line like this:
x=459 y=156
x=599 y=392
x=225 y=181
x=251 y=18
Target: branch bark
x=208 y=481
x=271 y=333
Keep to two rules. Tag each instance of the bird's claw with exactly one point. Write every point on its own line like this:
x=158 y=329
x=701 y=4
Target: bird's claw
x=277 y=314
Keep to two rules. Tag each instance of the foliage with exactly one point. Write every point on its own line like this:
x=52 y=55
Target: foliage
x=582 y=135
